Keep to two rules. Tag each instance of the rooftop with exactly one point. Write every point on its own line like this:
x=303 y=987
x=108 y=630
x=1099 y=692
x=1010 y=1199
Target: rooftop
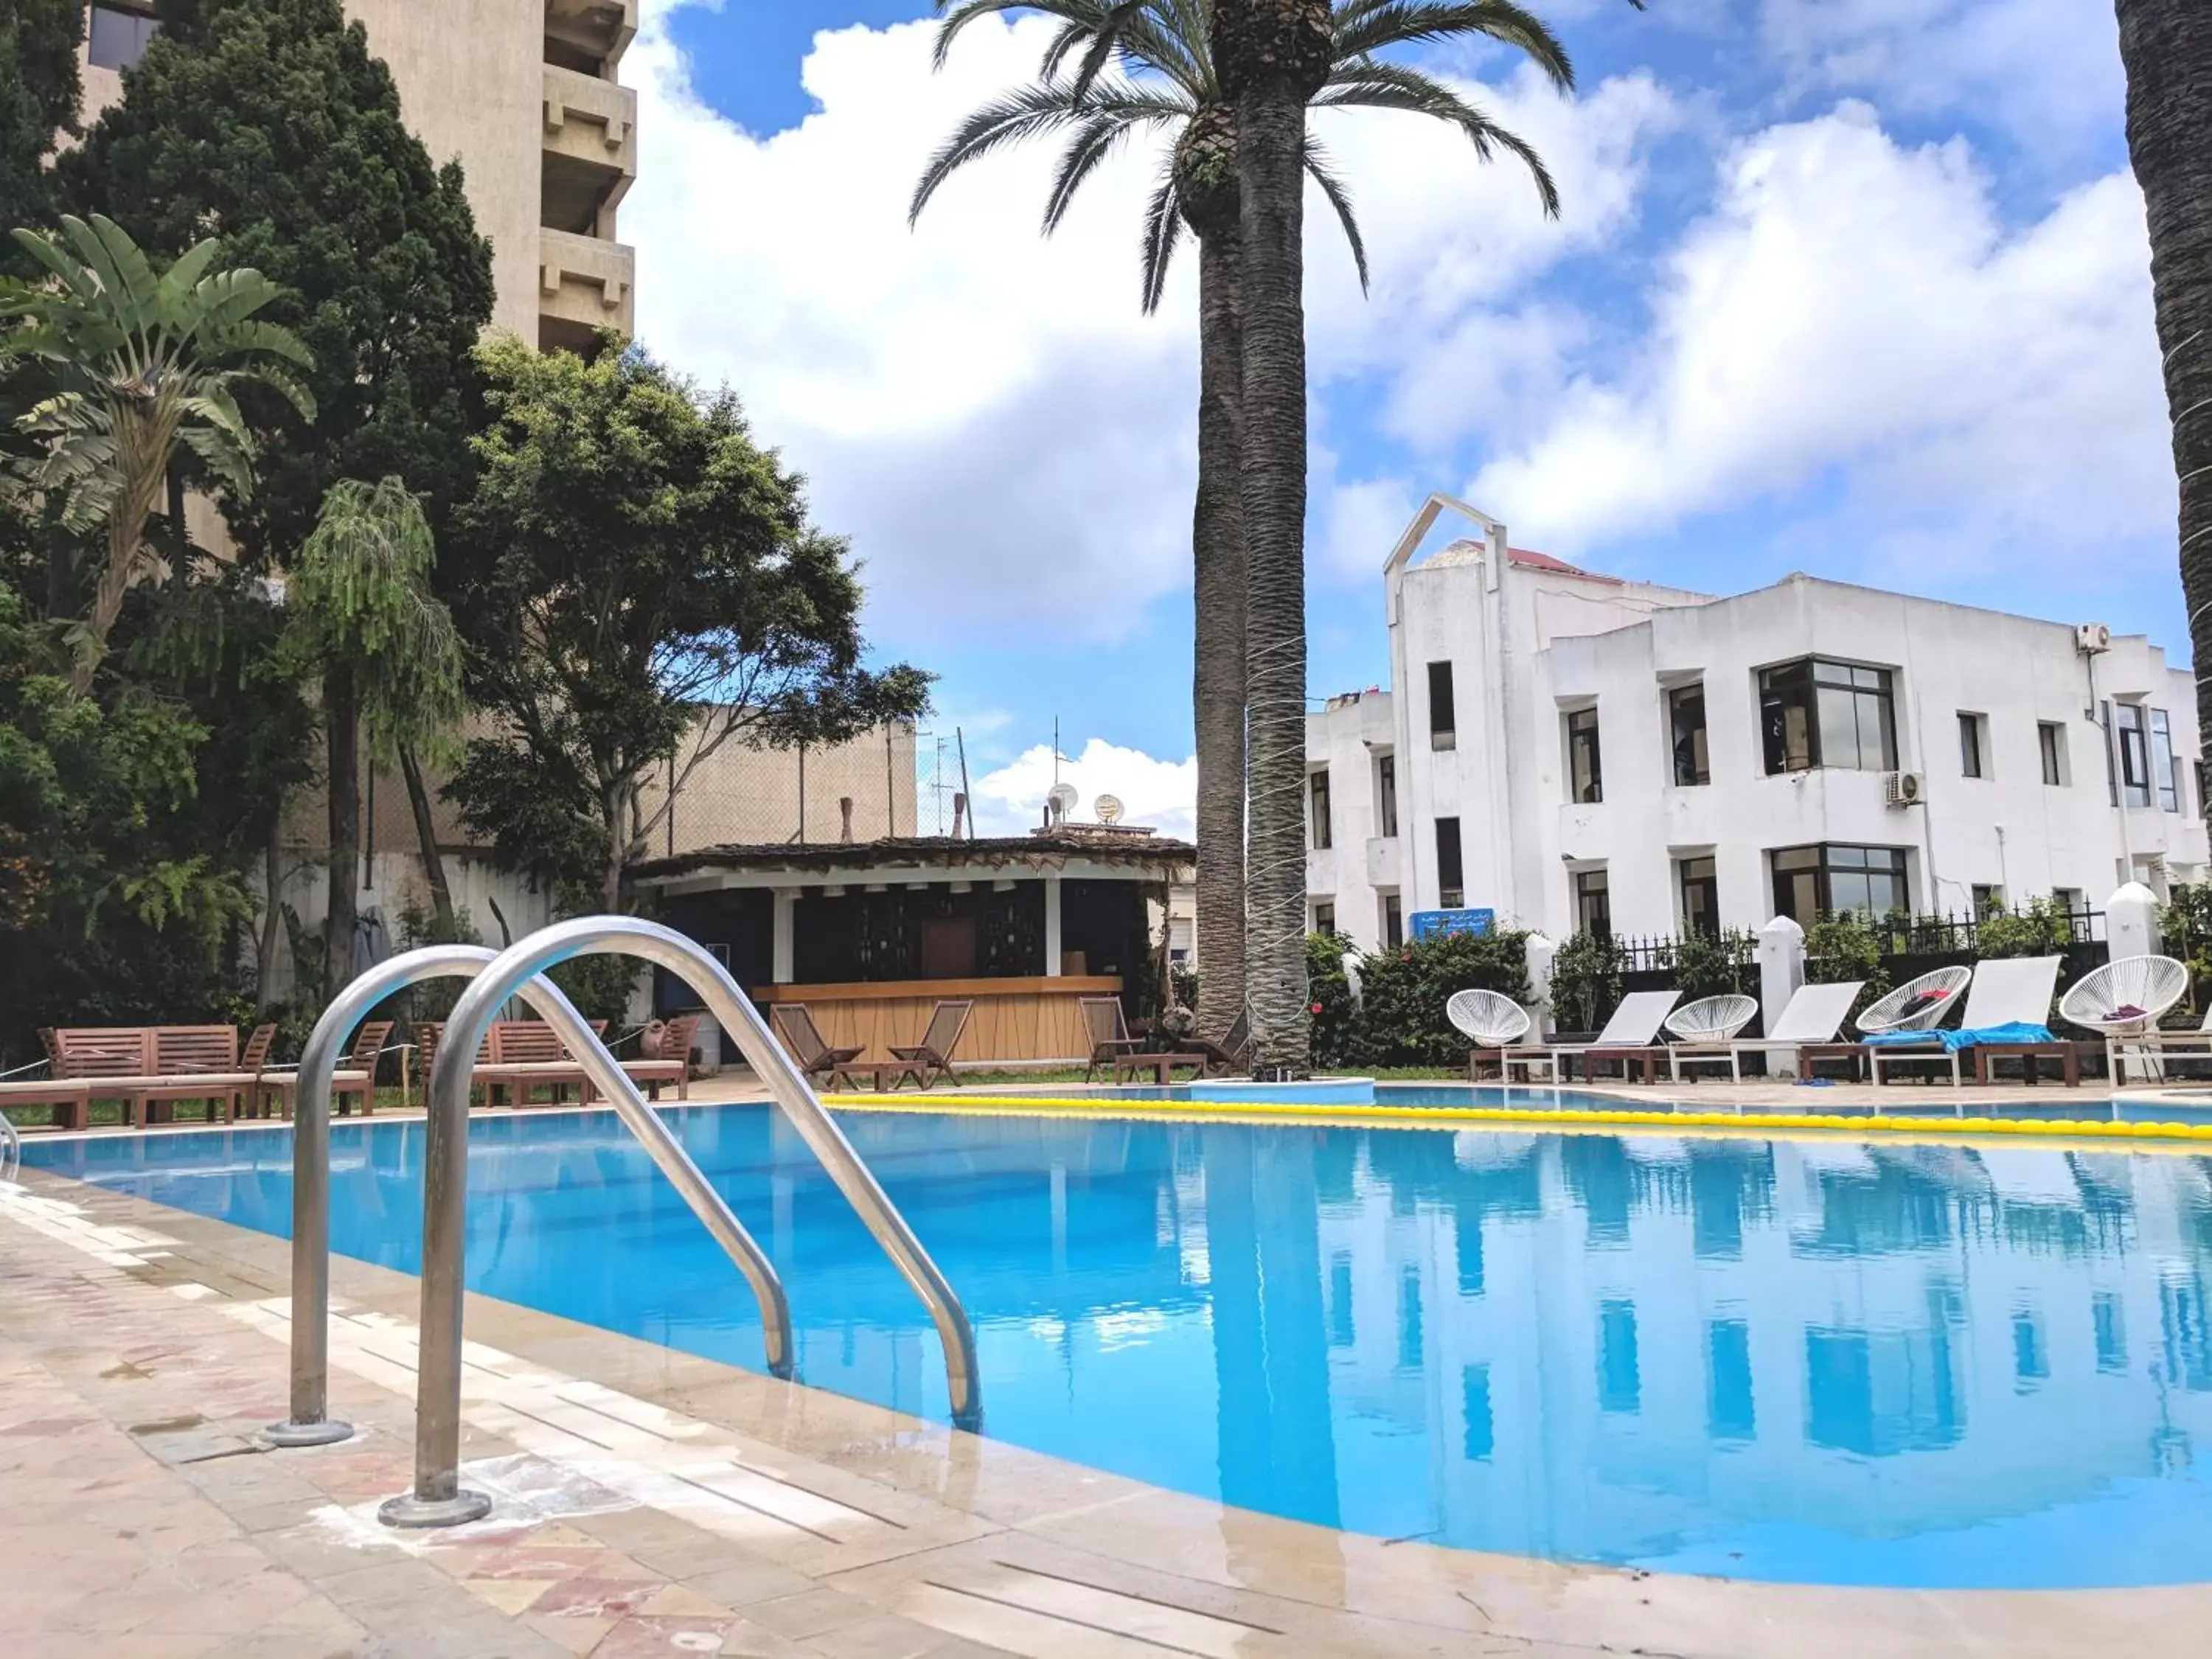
x=1139 y=849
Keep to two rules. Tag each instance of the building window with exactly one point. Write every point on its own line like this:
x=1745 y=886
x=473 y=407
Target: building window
x=1593 y=903
x=2050 y=738
x=1324 y=919
x=1989 y=900
x=1451 y=875
x=1443 y=718
x=2067 y=899
x=1701 y=896
x=1974 y=746
x=1685 y=724
x=1585 y=774
x=117 y=37
x=1394 y=921
x=1816 y=712
x=1832 y=880
x=1318 y=783
x=1385 y=795
x=2132 y=738
x=2164 y=773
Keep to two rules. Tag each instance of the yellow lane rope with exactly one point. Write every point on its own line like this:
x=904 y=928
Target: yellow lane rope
x=1569 y=1119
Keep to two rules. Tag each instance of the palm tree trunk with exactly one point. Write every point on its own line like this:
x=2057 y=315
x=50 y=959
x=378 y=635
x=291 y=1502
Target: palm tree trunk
x=342 y=723
x=2166 y=47
x=1271 y=56
x=426 y=833
x=1217 y=680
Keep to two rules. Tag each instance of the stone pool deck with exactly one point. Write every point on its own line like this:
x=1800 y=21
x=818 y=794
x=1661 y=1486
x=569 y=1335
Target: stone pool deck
x=652 y=1503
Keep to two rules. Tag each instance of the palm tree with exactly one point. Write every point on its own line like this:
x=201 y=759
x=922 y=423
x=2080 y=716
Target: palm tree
x=2166 y=46
x=363 y=618
x=1147 y=67
x=143 y=363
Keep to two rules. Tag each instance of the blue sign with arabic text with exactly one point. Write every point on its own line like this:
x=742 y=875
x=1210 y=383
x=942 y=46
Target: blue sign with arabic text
x=1429 y=924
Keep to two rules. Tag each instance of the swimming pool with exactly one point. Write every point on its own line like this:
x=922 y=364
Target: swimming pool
x=1910 y=1365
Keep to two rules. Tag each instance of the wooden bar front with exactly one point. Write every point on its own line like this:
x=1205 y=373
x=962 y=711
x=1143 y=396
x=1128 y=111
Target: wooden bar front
x=1014 y=1018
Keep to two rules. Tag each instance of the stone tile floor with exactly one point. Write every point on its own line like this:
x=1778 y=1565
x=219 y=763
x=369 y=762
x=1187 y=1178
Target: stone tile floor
x=652 y=1503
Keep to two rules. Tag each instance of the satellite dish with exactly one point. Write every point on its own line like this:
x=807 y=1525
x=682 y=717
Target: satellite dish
x=1108 y=809
x=1062 y=800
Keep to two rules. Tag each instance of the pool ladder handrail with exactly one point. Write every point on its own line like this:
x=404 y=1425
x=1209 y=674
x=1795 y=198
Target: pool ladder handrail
x=11 y=1149
x=437 y=1498
x=310 y=1423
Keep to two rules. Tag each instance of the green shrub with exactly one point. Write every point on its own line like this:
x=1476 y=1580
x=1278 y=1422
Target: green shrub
x=1586 y=981
x=1848 y=947
x=1403 y=990
x=2041 y=929
x=1329 y=997
x=1712 y=965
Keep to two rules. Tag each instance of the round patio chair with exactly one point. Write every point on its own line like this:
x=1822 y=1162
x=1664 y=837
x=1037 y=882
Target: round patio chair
x=2127 y=995
x=1712 y=1019
x=1487 y=1020
x=1889 y=1014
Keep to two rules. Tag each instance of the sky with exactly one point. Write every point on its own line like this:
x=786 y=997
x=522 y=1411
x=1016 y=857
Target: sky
x=1858 y=288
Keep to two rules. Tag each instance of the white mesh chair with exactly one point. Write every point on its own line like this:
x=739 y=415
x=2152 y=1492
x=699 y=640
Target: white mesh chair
x=1703 y=1029
x=1889 y=1014
x=1487 y=1020
x=2123 y=1000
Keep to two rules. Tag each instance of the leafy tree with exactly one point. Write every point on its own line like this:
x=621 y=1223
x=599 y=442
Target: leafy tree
x=38 y=96
x=269 y=121
x=1162 y=79
x=1403 y=992
x=639 y=579
x=365 y=620
x=2166 y=47
x=142 y=363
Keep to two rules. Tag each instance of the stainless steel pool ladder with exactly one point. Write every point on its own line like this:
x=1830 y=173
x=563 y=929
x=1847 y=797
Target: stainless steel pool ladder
x=437 y=1498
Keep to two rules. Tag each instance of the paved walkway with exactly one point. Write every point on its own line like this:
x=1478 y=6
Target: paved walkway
x=652 y=1503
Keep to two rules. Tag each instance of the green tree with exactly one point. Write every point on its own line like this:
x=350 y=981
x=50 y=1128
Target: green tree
x=639 y=586
x=2167 y=47
x=141 y=363
x=365 y=621
x=269 y=121
x=1164 y=82
x=39 y=97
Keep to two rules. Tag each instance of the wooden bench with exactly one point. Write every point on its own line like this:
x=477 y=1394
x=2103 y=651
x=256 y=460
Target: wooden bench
x=152 y=1067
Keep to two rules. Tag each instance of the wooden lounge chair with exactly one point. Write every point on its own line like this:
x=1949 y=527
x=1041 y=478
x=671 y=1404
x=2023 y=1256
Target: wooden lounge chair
x=1108 y=1031
x=113 y=1061
x=429 y=1035
x=355 y=1079
x=69 y=1101
x=526 y=1055
x=1813 y=1015
x=930 y=1058
x=1628 y=1038
x=836 y=1067
x=670 y=1063
x=1232 y=1053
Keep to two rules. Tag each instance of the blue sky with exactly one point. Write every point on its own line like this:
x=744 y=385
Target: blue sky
x=1856 y=287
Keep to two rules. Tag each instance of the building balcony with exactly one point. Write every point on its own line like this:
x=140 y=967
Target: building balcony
x=588 y=154
x=1384 y=868
x=584 y=285
x=589 y=34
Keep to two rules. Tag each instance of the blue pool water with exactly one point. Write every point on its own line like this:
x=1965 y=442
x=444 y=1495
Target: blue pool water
x=1814 y=1360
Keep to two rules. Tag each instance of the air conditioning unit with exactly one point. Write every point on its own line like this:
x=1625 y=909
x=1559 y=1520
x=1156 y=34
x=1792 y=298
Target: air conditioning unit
x=2091 y=639
x=1901 y=789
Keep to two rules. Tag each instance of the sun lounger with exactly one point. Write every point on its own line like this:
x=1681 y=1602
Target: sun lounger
x=2007 y=1005
x=279 y=1086
x=1813 y=1015
x=68 y=1100
x=1629 y=1038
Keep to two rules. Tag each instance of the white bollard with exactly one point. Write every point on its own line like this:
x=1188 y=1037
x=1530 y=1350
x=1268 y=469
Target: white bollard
x=1781 y=971
x=1540 y=952
x=2132 y=922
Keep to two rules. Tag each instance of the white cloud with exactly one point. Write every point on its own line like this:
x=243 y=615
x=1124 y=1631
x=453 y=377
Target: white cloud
x=1006 y=438
x=1161 y=793
x=1856 y=312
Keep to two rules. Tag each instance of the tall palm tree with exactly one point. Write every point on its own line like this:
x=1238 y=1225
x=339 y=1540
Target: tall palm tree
x=363 y=618
x=2166 y=46
x=1147 y=67
x=143 y=363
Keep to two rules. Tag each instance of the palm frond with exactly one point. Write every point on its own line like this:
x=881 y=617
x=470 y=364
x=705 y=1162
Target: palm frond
x=1376 y=85
x=1318 y=168
x=1042 y=108
x=1363 y=27
x=1163 y=228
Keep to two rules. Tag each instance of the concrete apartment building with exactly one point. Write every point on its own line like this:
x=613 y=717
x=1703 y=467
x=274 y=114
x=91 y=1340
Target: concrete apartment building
x=1575 y=751
x=523 y=94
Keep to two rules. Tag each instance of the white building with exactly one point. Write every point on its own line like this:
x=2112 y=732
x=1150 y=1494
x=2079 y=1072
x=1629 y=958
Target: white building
x=1572 y=750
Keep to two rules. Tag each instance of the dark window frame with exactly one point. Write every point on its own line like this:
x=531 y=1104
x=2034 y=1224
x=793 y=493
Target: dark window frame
x=2131 y=742
x=1324 y=916
x=2166 y=774
x=1394 y=921
x=1698 y=892
x=1819 y=692
x=1444 y=706
x=1451 y=866
x=2050 y=746
x=1321 y=827
x=1585 y=758
x=1594 y=902
x=1685 y=732
x=117 y=36
x=1974 y=746
x=1831 y=867
x=1386 y=796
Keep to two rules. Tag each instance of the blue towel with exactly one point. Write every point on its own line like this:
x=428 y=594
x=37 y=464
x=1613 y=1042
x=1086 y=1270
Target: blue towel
x=1950 y=1041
